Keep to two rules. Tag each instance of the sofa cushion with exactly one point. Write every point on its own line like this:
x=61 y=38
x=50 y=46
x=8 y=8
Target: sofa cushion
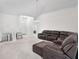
x=66 y=33
x=68 y=47
x=58 y=41
x=62 y=37
x=50 y=32
x=70 y=39
x=51 y=37
x=38 y=47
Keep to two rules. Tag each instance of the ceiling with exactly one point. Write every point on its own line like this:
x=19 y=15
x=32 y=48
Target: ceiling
x=34 y=7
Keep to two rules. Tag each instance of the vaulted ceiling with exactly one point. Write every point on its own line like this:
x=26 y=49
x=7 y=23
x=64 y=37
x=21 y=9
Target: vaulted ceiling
x=34 y=7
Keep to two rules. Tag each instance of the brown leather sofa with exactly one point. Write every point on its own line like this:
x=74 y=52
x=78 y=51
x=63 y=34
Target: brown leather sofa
x=54 y=41
x=53 y=35
x=67 y=50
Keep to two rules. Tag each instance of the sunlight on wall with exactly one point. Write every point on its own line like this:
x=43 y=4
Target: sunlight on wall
x=24 y=19
x=26 y=24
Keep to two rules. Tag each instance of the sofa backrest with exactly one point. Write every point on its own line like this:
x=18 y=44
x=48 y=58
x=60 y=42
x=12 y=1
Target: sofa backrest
x=54 y=35
x=48 y=35
x=51 y=32
x=65 y=34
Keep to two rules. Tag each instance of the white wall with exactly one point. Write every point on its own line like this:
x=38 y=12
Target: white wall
x=65 y=19
x=8 y=23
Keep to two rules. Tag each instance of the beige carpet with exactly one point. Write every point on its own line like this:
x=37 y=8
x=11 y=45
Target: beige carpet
x=20 y=49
